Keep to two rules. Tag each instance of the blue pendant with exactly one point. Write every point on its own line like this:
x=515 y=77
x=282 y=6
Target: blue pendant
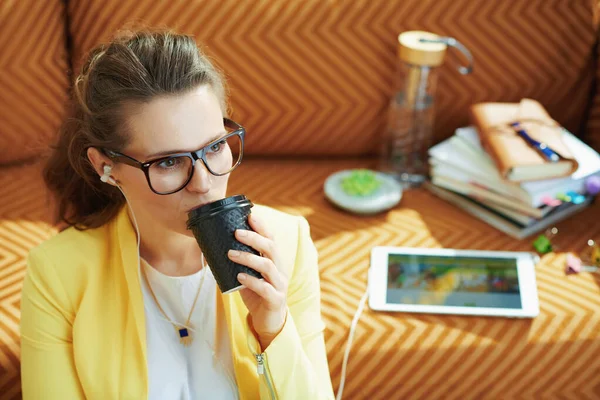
x=185 y=338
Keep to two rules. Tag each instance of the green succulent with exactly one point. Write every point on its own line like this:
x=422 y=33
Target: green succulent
x=360 y=182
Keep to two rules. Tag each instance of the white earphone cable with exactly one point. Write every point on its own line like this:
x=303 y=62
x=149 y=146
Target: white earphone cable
x=359 y=310
x=230 y=379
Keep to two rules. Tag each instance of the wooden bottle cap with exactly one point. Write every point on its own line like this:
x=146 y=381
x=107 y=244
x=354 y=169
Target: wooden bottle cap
x=415 y=52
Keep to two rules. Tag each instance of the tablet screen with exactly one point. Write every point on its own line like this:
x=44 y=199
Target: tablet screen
x=453 y=281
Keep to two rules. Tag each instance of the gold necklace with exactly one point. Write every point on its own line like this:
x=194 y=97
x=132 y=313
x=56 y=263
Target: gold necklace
x=185 y=336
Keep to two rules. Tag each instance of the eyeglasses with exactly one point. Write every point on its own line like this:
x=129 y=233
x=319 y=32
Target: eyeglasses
x=171 y=173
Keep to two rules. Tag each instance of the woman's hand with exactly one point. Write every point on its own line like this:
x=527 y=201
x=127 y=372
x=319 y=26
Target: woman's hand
x=265 y=299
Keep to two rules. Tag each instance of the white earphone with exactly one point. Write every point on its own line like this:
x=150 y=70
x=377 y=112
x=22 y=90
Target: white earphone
x=106 y=178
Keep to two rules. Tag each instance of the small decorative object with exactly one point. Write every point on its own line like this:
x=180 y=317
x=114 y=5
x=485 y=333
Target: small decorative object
x=360 y=182
x=549 y=201
x=576 y=198
x=595 y=253
x=591 y=255
x=565 y=198
x=542 y=244
x=592 y=185
x=362 y=191
x=575 y=265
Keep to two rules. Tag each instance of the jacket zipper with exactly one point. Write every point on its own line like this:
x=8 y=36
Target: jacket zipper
x=262 y=369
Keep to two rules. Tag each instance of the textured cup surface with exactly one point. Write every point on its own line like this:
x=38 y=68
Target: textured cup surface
x=213 y=226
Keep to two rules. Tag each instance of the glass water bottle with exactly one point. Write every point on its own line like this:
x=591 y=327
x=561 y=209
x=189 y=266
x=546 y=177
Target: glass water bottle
x=409 y=128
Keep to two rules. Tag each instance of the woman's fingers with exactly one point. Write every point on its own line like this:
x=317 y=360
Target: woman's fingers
x=262 y=265
x=261 y=240
x=260 y=243
x=259 y=226
x=261 y=287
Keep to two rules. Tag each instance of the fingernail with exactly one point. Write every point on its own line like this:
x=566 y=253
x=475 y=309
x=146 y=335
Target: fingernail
x=234 y=253
x=242 y=232
x=241 y=277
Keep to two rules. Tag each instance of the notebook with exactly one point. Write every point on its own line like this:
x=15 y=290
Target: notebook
x=531 y=150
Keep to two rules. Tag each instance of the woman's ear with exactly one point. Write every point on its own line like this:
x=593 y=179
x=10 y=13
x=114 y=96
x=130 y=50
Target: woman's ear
x=98 y=160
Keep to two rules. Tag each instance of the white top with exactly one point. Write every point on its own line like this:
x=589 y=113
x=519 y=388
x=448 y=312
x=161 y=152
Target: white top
x=174 y=370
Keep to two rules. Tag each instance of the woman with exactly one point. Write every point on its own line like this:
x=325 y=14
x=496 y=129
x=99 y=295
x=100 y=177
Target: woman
x=101 y=312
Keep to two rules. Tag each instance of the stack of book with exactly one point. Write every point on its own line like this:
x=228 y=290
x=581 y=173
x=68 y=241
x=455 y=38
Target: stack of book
x=467 y=173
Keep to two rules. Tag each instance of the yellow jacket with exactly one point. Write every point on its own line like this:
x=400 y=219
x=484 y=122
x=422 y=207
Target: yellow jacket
x=83 y=332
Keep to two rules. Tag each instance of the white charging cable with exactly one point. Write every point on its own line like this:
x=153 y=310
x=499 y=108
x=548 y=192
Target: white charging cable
x=359 y=310
x=106 y=178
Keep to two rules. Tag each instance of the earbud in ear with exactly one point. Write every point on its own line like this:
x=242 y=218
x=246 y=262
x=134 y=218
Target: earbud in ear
x=106 y=178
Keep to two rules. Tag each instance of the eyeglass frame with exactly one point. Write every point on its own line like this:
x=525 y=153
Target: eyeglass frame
x=193 y=155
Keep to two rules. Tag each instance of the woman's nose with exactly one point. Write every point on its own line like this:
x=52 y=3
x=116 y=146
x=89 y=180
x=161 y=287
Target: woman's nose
x=201 y=179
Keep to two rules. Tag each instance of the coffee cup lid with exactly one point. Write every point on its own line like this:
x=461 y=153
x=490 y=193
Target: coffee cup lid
x=215 y=207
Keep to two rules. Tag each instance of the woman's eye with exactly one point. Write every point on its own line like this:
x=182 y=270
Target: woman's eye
x=215 y=148
x=168 y=163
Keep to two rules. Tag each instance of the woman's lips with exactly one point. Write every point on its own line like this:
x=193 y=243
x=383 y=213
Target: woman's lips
x=197 y=206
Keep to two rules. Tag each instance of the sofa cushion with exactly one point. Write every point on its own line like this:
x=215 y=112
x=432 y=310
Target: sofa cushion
x=25 y=222
x=314 y=77
x=394 y=355
x=33 y=76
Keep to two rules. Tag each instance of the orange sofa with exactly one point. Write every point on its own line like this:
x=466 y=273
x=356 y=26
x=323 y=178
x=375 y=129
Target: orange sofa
x=310 y=80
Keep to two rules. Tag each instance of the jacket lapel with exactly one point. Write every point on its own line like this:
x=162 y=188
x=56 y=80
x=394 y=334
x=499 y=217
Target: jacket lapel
x=243 y=361
x=127 y=244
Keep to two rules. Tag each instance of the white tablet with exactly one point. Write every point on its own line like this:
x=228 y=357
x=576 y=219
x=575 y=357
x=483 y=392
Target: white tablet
x=443 y=281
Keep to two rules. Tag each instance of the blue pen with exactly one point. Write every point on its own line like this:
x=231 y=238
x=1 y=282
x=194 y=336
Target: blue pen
x=542 y=148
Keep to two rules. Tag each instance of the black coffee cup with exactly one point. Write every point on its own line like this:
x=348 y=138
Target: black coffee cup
x=213 y=226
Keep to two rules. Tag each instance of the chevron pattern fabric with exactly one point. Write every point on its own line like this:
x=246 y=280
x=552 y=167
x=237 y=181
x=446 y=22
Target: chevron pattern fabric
x=592 y=124
x=33 y=76
x=402 y=356
x=394 y=356
x=24 y=223
x=314 y=76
